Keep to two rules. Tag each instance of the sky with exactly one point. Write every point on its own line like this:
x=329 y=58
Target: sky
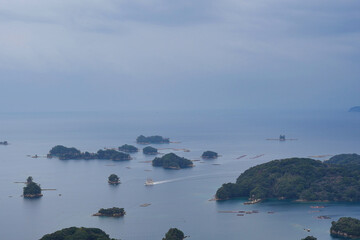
x=89 y=55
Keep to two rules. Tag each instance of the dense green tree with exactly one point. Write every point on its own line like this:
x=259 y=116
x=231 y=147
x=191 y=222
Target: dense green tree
x=150 y=150
x=174 y=234
x=29 y=180
x=128 y=148
x=172 y=161
x=113 y=178
x=112 y=211
x=344 y=159
x=309 y=238
x=74 y=233
x=296 y=178
x=31 y=189
x=346 y=225
x=209 y=155
x=152 y=139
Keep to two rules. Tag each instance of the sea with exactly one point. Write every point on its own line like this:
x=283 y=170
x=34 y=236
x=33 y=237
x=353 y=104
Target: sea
x=179 y=198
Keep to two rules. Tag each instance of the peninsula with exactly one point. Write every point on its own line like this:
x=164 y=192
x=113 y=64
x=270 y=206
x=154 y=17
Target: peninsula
x=32 y=189
x=150 y=150
x=209 y=155
x=302 y=179
x=172 y=161
x=128 y=148
x=110 y=212
x=65 y=153
x=346 y=227
x=152 y=140
x=75 y=233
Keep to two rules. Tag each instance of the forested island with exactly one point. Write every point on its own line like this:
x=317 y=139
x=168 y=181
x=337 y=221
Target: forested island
x=4 y=143
x=113 y=179
x=346 y=227
x=152 y=140
x=355 y=109
x=32 y=189
x=174 y=234
x=209 y=155
x=300 y=179
x=75 y=233
x=128 y=148
x=172 y=161
x=65 y=153
x=111 y=212
x=150 y=150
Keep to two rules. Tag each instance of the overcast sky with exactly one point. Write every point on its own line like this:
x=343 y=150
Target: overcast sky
x=178 y=54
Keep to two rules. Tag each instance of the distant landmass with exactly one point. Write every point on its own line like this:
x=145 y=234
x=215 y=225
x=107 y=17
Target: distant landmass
x=299 y=179
x=172 y=161
x=346 y=227
x=152 y=140
x=344 y=159
x=355 y=109
x=75 y=233
x=65 y=153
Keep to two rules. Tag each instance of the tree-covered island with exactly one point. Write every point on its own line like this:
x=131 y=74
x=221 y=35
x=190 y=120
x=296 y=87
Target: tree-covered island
x=4 y=143
x=65 y=153
x=209 y=155
x=150 y=150
x=128 y=148
x=174 y=234
x=346 y=227
x=32 y=189
x=301 y=179
x=111 y=212
x=152 y=140
x=172 y=161
x=75 y=233
x=114 y=179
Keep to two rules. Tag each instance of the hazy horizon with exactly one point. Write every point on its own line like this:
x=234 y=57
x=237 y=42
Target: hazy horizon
x=185 y=55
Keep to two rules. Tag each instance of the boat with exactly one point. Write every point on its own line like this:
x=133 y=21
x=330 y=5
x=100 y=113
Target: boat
x=149 y=182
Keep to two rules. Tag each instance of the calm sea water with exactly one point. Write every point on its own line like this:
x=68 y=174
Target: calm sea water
x=180 y=199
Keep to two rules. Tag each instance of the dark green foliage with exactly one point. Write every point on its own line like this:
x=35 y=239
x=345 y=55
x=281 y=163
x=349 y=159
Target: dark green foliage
x=31 y=188
x=296 y=178
x=348 y=225
x=150 y=150
x=209 y=155
x=113 y=155
x=74 y=233
x=114 y=178
x=29 y=180
x=344 y=159
x=174 y=234
x=152 y=139
x=112 y=211
x=128 y=148
x=65 y=153
x=309 y=238
x=172 y=161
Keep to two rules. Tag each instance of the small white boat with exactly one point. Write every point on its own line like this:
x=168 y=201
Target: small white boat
x=149 y=182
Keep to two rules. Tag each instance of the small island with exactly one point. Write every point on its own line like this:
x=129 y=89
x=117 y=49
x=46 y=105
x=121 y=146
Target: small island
x=346 y=227
x=355 y=109
x=75 y=233
x=4 y=143
x=114 y=179
x=128 y=148
x=152 y=140
x=209 y=155
x=32 y=189
x=301 y=179
x=65 y=153
x=150 y=150
x=309 y=238
x=172 y=161
x=174 y=234
x=110 y=212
